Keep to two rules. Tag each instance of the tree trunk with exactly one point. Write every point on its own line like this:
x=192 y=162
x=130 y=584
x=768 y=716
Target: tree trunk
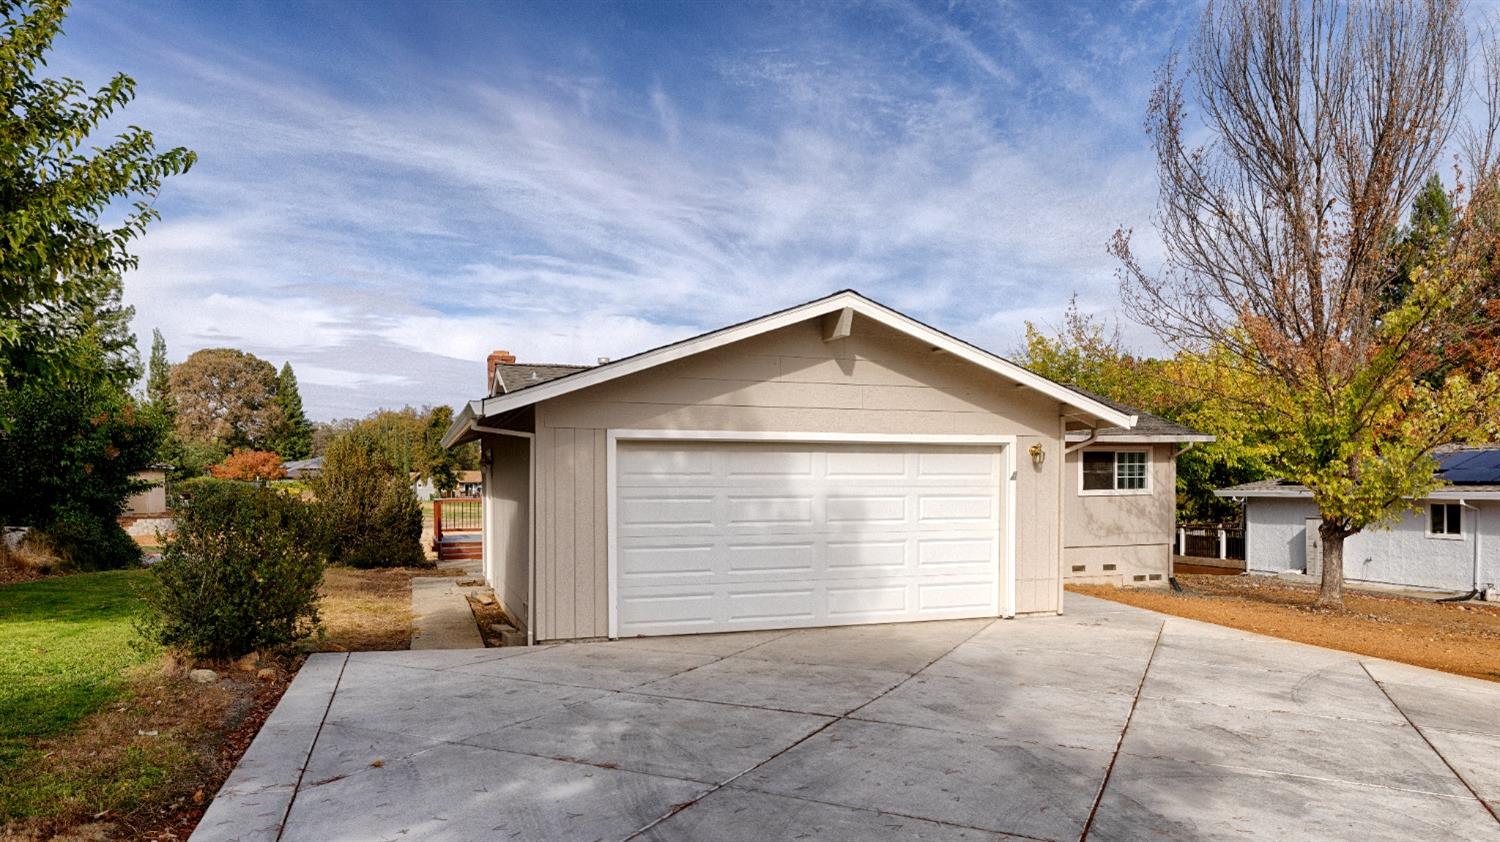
x=1331 y=591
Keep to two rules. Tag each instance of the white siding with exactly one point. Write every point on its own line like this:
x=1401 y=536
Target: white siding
x=1276 y=536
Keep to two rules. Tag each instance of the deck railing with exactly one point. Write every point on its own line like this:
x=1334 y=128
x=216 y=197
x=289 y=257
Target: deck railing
x=456 y=514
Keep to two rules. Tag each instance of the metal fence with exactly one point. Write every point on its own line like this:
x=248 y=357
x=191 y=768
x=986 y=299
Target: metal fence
x=1211 y=541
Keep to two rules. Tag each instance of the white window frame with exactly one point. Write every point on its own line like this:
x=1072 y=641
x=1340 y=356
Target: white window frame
x=1117 y=492
x=1445 y=536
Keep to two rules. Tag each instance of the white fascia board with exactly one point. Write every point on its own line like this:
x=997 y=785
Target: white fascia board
x=1128 y=438
x=861 y=305
x=1298 y=493
x=461 y=423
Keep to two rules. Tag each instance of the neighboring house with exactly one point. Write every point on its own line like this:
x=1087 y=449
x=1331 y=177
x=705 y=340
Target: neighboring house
x=152 y=502
x=422 y=488
x=833 y=463
x=470 y=484
x=303 y=468
x=1451 y=541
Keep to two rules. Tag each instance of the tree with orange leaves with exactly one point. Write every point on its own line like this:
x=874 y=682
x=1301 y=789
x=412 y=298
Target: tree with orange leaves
x=249 y=465
x=1324 y=121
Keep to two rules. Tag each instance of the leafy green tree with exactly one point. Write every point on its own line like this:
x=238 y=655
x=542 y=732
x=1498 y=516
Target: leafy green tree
x=58 y=259
x=1277 y=268
x=68 y=457
x=292 y=437
x=412 y=441
x=225 y=399
x=1087 y=352
x=371 y=514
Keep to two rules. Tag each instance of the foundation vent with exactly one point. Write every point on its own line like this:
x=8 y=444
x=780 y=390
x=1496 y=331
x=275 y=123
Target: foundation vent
x=1079 y=568
x=1156 y=577
x=1108 y=567
x=1139 y=577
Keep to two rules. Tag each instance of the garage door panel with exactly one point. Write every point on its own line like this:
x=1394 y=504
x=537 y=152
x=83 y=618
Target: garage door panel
x=765 y=608
x=868 y=602
x=866 y=508
x=743 y=536
x=742 y=559
x=666 y=510
x=871 y=556
x=767 y=510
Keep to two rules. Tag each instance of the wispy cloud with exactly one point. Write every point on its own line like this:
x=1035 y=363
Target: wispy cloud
x=579 y=199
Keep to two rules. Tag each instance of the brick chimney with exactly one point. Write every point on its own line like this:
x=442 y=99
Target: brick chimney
x=493 y=361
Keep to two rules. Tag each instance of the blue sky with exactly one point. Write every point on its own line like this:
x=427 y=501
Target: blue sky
x=386 y=192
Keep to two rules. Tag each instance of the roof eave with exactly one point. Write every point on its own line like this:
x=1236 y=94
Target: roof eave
x=1140 y=438
x=462 y=422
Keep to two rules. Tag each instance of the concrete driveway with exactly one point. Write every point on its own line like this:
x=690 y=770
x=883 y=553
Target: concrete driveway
x=1110 y=723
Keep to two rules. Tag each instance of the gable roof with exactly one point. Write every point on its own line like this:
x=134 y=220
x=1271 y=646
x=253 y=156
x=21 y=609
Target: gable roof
x=585 y=377
x=1148 y=427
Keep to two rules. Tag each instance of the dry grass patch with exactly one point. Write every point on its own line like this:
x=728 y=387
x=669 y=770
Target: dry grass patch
x=368 y=610
x=1462 y=638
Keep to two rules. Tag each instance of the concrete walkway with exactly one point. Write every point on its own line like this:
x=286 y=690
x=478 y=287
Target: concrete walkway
x=440 y=609
x=1110 y=723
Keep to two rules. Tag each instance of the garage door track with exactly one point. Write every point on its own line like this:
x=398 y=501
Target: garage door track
x=1109 y=723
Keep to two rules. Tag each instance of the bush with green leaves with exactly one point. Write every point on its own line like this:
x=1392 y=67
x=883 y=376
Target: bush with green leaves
x=241 y=574
x=371 y=515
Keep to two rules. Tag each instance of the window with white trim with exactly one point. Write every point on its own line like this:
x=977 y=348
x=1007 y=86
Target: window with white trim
x=1106 y=471
x=1445 y=520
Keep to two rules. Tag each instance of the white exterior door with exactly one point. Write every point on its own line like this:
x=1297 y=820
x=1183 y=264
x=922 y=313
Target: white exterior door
x=715 y=536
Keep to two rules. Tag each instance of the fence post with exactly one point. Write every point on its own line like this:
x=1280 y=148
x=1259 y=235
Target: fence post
x=1181 y=540
x=1223 y=543
x=437 y=520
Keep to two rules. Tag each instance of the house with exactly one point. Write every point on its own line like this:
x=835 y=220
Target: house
x=470 y=484
x=1450 y=540
x=303 y=468
x=833 y=463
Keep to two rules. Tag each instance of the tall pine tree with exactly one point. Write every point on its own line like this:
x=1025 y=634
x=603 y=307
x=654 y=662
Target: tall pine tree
x=293 y=437
x=159 y=374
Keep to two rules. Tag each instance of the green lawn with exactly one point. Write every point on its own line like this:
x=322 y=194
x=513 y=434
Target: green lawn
x=65 y=644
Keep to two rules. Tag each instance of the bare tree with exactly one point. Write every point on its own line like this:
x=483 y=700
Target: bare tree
x=1319 y=123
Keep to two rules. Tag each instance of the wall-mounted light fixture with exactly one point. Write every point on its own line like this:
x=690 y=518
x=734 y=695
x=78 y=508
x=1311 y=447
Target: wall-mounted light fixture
x=1038 y=455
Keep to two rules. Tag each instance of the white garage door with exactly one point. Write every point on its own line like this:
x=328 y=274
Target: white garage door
x=715 y=536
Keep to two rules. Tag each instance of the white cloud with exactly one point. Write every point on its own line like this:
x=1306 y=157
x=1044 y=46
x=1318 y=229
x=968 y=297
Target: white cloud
x=384 y=245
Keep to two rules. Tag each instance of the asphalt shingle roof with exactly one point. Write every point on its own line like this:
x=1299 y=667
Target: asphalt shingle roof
x=1146 y=424
x=517 y=376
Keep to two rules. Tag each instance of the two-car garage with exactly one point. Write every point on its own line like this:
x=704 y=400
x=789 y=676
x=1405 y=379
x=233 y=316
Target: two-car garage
x=734 y=535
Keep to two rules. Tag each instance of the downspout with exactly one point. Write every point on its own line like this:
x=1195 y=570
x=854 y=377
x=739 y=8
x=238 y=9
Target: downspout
x=1172 y=568
x=1474 y=588
x=1072 y=448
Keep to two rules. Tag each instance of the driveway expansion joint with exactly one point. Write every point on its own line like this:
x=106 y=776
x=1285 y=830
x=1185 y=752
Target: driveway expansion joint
x=306 y=761
x=1489 y=808
x=1109 y=770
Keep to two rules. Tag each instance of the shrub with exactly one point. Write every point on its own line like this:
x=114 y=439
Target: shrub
x=241 y=574
x=371 y=515
x=248 y=465
x=83 y=540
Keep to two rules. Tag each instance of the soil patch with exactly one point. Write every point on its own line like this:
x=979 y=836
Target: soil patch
x=367 y=610
x=1462 y=638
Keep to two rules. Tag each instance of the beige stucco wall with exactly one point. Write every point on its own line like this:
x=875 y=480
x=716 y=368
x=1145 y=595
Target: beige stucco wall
x=1131 y=532
x=507 y=496
x=876 y=381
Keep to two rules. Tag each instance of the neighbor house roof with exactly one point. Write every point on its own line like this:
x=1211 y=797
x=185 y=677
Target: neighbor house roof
x=846 y=303
x=1148 y=427
x=1469 y=472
